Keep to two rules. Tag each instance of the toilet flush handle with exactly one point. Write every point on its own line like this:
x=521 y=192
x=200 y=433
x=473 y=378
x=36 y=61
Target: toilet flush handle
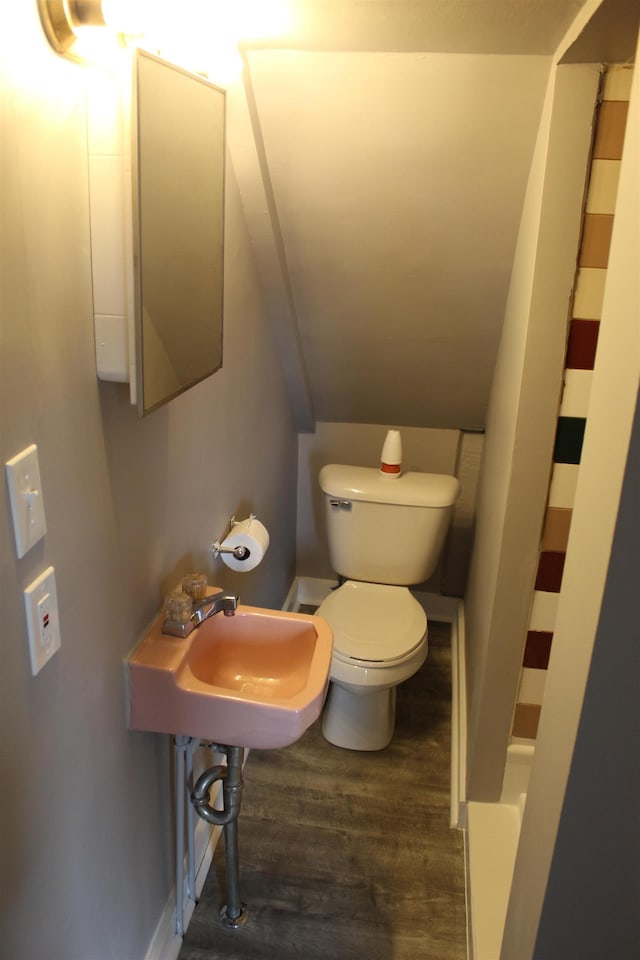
x=341 y=504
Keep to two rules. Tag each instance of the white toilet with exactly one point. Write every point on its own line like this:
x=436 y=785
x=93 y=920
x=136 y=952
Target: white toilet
x=384 y=534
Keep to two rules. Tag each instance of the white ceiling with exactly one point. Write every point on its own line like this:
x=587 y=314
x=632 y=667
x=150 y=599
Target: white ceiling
x=394 y=139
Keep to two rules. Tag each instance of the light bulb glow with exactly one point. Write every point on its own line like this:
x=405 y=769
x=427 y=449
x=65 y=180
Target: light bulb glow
x=94 y=44
x=200 y=35
x=134 y=17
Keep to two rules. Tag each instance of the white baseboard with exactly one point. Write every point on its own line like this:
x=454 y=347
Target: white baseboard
x=520 y=754
x=451 y=610
x=166 y=943
x=311 y=590
x=492 y=842
x=458 y=722
x=436 y=607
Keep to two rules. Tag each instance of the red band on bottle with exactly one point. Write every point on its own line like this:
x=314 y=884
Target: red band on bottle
x=390 y=468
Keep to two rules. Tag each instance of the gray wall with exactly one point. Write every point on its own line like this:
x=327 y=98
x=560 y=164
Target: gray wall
x=398 y=280
x=131 y=505
x=579 y=821
x=521 y=423
x=591 y=901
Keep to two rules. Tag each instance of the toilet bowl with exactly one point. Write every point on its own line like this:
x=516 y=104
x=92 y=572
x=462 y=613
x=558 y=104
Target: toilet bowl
x=384 y=535
x=380 y=640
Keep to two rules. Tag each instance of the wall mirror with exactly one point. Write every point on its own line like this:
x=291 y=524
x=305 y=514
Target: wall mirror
x=178 y=153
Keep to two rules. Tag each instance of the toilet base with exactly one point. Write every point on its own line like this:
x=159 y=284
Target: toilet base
x=359 y=721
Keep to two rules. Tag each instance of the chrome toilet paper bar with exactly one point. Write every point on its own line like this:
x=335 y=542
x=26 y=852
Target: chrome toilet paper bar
x=244 y=546
x=240 y=552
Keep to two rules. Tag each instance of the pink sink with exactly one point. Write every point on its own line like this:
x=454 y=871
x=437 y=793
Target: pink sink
x=256 y=679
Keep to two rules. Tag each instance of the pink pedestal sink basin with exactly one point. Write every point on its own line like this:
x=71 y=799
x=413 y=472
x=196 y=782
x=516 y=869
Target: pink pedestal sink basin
x=255 y=679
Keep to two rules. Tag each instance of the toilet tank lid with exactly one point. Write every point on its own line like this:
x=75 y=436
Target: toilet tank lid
x=368 y=484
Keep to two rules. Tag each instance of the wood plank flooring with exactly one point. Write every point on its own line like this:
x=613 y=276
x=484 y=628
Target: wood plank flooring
x=347 y=855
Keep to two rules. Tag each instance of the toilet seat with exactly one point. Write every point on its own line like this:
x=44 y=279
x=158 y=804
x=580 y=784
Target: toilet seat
x=373 y=624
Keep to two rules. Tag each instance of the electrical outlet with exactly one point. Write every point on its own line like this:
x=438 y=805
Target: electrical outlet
x=41 y=605
x=44 y=621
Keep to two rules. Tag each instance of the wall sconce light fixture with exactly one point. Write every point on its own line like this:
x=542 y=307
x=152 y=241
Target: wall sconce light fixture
x=61 y=19
x=222 y=25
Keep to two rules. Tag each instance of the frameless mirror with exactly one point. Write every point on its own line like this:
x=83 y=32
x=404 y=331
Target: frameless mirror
x=178 y=192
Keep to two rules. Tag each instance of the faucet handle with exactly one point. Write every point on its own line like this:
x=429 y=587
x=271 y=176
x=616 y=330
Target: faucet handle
x=177 y=612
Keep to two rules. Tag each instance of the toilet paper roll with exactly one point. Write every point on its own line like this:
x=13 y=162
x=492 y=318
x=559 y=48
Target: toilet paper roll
x=252 y=535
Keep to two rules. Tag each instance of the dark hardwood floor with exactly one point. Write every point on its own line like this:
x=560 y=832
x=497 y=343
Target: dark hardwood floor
x=347 y=855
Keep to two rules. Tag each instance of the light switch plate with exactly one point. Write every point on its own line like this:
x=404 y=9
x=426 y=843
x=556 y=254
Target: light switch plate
x=25 y=495
x=41 y=607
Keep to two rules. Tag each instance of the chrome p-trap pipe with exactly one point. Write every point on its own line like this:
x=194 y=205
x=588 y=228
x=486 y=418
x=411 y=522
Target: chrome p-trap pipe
x=233 y=913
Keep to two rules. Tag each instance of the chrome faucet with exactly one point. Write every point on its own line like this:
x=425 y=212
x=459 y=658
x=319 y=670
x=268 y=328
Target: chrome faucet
x=221 y=601
x=201 y=610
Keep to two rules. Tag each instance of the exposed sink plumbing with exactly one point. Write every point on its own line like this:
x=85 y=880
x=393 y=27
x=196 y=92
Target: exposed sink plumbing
x=234 y=913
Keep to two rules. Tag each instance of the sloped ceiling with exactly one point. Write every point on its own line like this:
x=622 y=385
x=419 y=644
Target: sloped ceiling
x=393 y=141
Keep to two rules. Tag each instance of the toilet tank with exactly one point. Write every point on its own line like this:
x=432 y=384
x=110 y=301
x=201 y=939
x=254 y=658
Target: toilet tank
x=385 y=530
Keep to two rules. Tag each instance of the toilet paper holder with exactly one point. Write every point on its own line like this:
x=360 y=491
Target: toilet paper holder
x=240 y=552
